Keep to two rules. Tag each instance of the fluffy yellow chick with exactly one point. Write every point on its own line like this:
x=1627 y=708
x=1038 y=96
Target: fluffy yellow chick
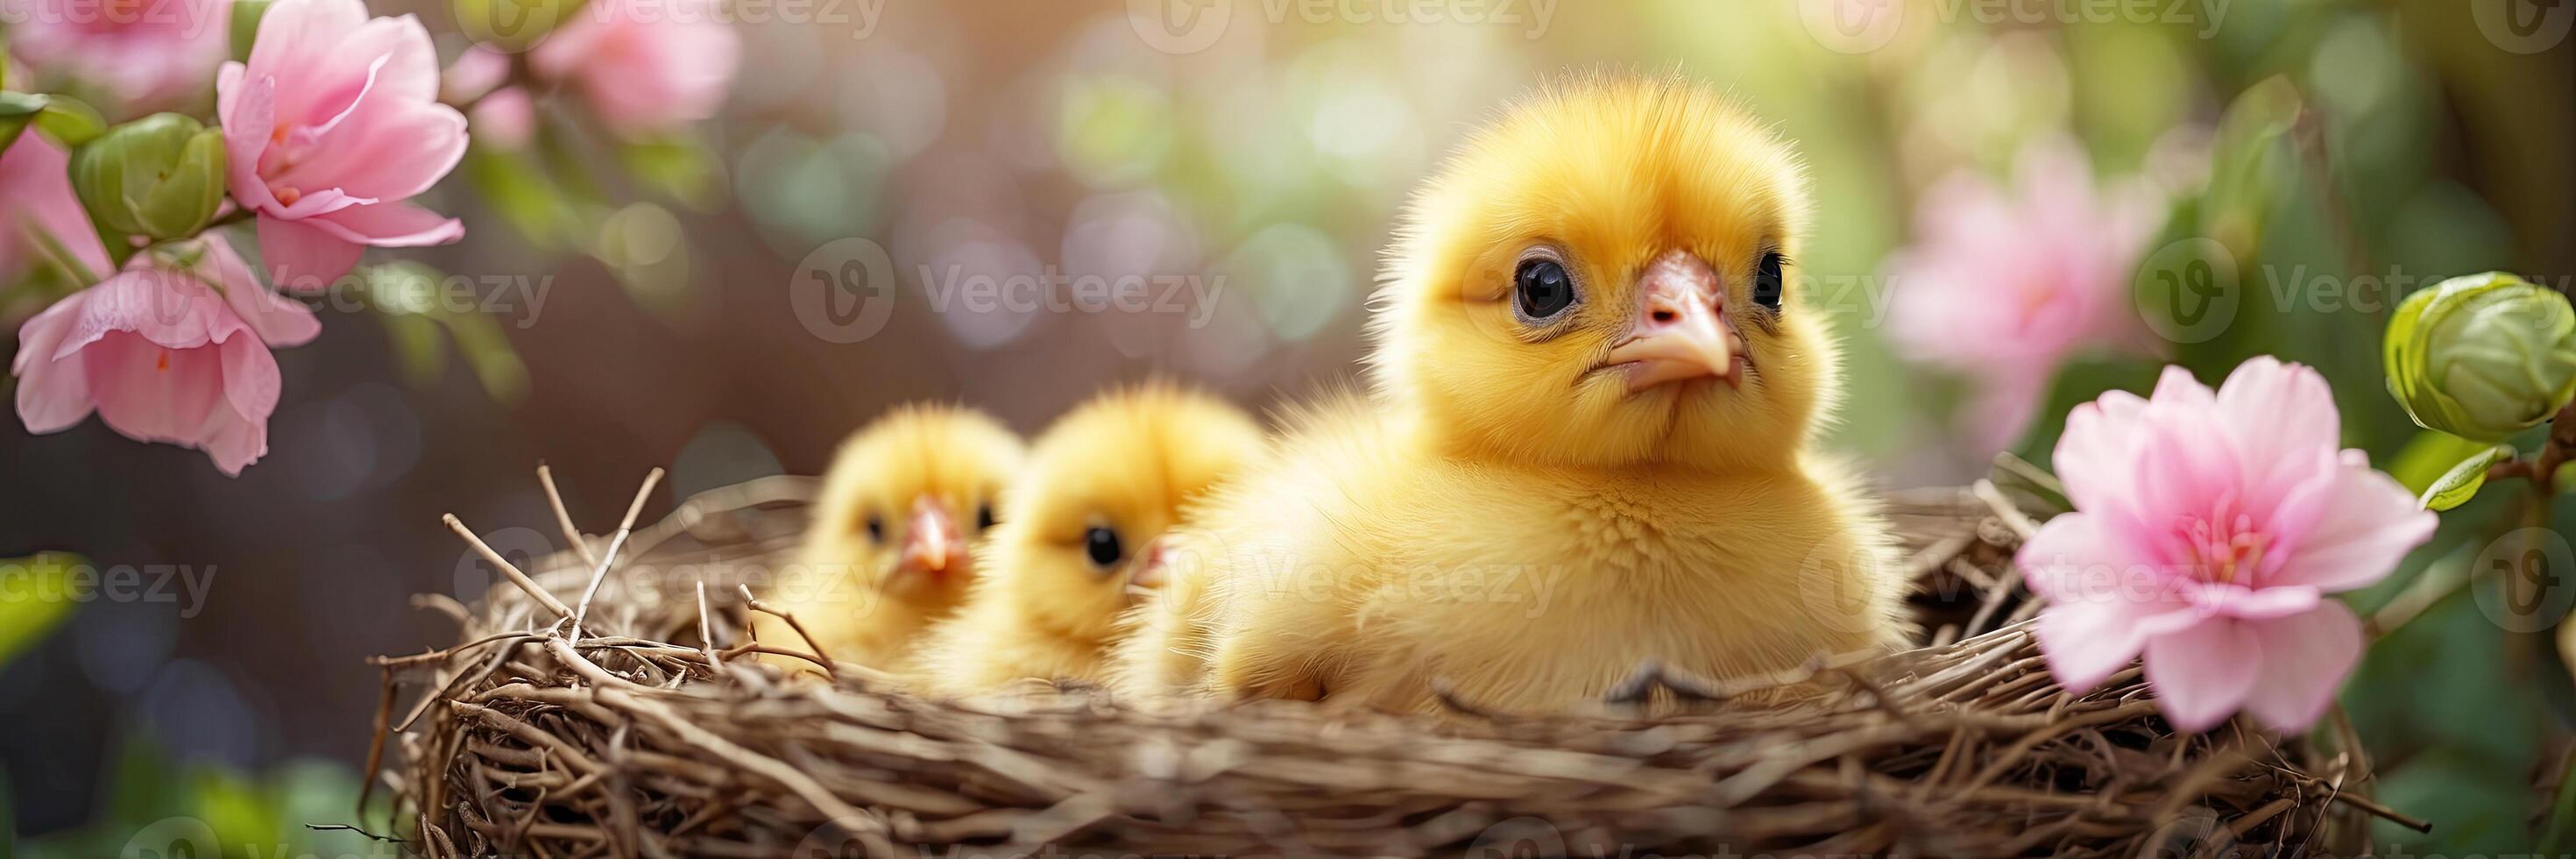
x=1589 y=448
x=1085 y=534
x=887 y=553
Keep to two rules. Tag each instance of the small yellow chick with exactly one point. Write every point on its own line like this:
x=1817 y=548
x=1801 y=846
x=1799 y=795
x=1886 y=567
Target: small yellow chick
x=1588 y=449
x=887 y=553
x=1085 y=534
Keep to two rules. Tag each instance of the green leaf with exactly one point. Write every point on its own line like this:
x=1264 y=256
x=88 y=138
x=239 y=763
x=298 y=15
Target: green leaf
x=2461 y=483
x=16 y=110
x=69 y=121
x=21 y=104
x=28 y=613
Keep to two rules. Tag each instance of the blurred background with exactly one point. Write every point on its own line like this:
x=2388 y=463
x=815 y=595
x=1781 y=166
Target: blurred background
x=2020 y=205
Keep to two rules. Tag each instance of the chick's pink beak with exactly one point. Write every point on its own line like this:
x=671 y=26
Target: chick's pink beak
x=1682 y=331
x=930 y=541
x=1154 y=566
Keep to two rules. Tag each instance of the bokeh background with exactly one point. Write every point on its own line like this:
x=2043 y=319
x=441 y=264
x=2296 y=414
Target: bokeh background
x=2102 y=156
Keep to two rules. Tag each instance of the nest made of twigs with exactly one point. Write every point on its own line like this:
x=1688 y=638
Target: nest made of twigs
x=646 y=730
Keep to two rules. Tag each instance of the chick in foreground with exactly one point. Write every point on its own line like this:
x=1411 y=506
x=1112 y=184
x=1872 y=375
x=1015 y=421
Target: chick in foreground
x=1086 y=534
x=887 y=553
x=1588 y=449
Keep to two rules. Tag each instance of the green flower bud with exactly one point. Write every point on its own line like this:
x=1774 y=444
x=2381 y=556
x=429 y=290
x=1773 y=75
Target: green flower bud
x=2482 y=356
x=160 y=176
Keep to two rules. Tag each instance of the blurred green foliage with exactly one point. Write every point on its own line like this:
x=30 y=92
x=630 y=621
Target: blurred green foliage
x=157 y=807
x=35 y=604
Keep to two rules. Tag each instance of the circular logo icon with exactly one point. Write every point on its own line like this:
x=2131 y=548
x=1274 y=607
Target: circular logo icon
x=2535 y=580
x=1847 y=588
x=172 y=838
x=2198 y=833
x=843 y=292
x=1179 y=26
x=2525 y=26
x=1853 y=26
x=509 y=25
x=2189 y=291
x=522 y=547
x=1516 y=838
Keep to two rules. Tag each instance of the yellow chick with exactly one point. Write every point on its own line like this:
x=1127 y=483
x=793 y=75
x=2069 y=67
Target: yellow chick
x=887 y=553
x=1085 y=534
x=1588 y=452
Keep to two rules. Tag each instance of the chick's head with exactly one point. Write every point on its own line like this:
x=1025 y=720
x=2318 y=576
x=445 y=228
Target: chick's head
x=910 y=494
x=1090 y=525
x=1601 y=278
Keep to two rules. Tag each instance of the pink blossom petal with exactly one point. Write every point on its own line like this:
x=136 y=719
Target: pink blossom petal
x=52 y=394
x=302 y=257
x=2065 y=562
x=2097 y=455
x=394 y=151
x=234 y=444
x=2088 y=641
x=300 y=34
x=276 y=320
x=391 y=225
x=163 y=308
x=2282 y=418
x=153 y=393
x=2202 y=674
x=2369 y=523
x=2305 y=658
x=2244 y=603
x=316 y=204
x=2279 y=412
x=250 y=379
x=250 y=112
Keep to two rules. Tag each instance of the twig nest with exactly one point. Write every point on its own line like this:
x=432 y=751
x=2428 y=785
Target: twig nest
x=652 y=734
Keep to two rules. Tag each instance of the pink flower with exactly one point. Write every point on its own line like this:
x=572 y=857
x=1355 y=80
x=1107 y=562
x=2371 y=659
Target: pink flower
x=332 y=125
x=174 y=349
x=506 y=118
x=644 y=66
x=35 y=179
x=477 y=72
x=148 y=53
x=2003 y=286
x=2208 y=529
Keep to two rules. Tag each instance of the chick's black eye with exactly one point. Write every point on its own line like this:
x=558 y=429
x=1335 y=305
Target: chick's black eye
x=876 y=528
x=984 y=517
x=1102 y=544
x=1542 y=289
x=1766 y=281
